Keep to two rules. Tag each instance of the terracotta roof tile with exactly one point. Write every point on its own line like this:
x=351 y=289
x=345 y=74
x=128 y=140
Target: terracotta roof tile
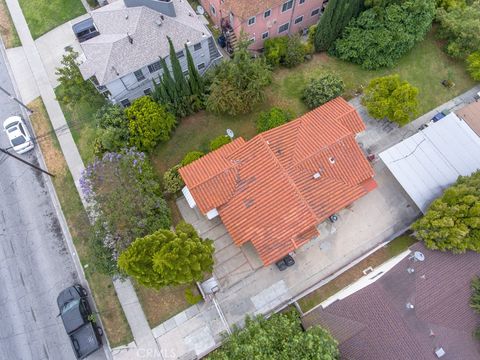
x=265 y=190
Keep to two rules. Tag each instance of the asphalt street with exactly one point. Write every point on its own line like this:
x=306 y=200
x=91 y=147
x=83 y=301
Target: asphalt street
x=35 y=264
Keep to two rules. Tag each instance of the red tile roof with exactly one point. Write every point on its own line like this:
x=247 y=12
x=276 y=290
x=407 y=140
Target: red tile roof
x=375 y=324
x=265 y=190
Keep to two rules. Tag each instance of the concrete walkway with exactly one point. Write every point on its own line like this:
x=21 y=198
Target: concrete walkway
x=145 y=343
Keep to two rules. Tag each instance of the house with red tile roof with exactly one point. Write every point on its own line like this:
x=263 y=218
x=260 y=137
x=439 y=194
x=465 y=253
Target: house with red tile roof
x=274 y=189
x=417 y=310
x=263 y=19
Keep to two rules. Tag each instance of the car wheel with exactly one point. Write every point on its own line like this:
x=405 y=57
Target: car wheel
x=84 y=292
x=100 y=331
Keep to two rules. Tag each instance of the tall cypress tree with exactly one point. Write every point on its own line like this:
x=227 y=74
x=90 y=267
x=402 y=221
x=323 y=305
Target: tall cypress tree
x=180 y=82
x=337 y=15
x=196 y=84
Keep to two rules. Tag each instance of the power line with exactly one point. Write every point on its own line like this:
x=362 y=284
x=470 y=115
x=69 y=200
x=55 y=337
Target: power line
x=25 y=162
x=16 y=100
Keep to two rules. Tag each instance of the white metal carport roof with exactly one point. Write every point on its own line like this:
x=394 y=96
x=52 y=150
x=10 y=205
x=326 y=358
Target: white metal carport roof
x=428 y=162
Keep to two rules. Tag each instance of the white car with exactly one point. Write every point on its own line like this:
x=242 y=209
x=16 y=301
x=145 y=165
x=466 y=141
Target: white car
x=18 y=134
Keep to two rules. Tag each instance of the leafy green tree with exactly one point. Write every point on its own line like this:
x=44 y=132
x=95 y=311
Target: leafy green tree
x=218 y=142
x=323 y=89
x=473 y=61
x=450 y=4
x=172 y=181
x=475 y=299
x=461 y=28
x=452 y=221
x=238 y=85
x=379 y=37
x=167 y=258
x=149 y=123
x=337 y=15
x=275 y=50
x=191 y=157
x=125 y=197
x=279 y=337
x=73 y=86
x=112 y=129
x=392 y=98
x=288 y=51
x=271 y=119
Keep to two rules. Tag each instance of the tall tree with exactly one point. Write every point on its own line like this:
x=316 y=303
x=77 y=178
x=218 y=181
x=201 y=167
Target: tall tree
x=452 y=221
x=392 y=98
x=195 y=83
x=168 y=258
x=336 y=16
x=180 y=82
x=279 y=337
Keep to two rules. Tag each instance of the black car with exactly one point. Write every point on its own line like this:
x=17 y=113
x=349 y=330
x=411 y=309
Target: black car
x=79 y=322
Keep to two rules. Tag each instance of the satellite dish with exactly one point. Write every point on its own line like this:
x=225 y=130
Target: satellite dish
x=200 y=10
x=230 y=133
x=418 y=256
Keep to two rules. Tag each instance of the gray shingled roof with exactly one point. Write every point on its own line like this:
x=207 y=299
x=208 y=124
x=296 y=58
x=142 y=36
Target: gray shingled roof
x=111 y=55
x=375 y=324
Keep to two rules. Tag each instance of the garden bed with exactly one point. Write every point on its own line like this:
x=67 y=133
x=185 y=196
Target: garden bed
x=380 y=256
x=111 y=313
x=7 y=29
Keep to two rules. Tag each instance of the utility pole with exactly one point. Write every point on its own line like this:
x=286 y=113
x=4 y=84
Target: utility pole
x=26 y=162
x=16 y=100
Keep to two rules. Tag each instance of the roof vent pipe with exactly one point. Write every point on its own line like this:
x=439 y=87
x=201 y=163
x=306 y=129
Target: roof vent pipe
x=130 y=39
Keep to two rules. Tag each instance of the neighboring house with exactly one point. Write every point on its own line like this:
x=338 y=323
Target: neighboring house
x=124 y=57
x=263 y=19
x=417 y=310
x=430 y=161
x=275 y=189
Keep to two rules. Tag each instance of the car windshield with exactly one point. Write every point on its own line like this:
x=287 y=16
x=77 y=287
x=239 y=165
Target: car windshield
x=70 y=305
x=11 y=124
x=19 y=140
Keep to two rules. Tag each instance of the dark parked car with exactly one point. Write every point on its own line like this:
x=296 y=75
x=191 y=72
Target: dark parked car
x=79 y=322
x=85 y=30
x=287 y=261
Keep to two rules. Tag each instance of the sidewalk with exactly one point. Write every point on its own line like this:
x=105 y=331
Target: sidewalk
x=136 y=318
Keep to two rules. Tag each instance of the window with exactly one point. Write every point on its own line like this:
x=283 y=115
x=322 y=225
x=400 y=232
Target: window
x=201 y=66
x=197 y=47
x=139 y=75
x=287 y=5
x=299 y=19
x=300 y=2
x=315 y=12
x=185 y=73
x=283 y=28
x=180 y=54
x=251 y=21
x=212 y=9
x=267 y=13
x=154 y=67
x=147 y=91
x=125 y=103
x=265 y=35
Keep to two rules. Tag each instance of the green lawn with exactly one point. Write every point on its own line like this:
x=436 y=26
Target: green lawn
x=113 y=318
x=425 y=67
x=380 y=256
x=44 y=15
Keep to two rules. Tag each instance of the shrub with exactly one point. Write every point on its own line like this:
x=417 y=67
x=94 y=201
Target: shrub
x=125 y=197
x=288 y=51
x=390 y=97
x=380 y=36
x=167 y=258
x=191 y=298
x=473 y=61
x=218 y=142
x=191 y=157
x=238 y=85
x=172 y=181
x=279 y=337
x=452 y=221
x=270 y=119
x=461 y=28
x=112 y=129
x=323 y=89
x=149 y=123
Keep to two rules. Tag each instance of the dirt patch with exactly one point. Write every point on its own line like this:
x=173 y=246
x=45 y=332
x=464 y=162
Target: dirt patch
x=7 y=29
x=161 y=305
x=46 y=138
